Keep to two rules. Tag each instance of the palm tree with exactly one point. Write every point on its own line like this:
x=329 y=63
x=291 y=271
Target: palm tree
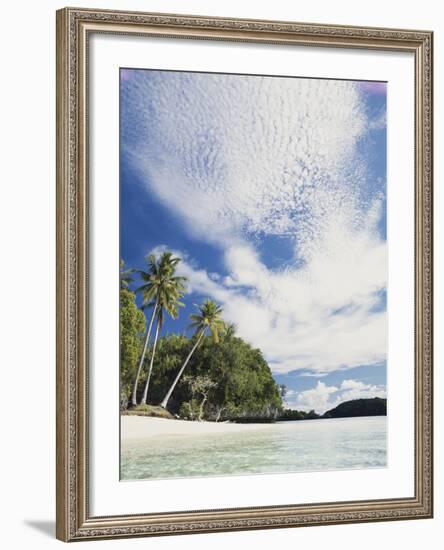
x=169 y=297
x=125 y=275
x=230 y=331
x=159 y=280
x=208 y=318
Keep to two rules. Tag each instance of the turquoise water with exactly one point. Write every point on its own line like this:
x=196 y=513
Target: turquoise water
x=298 y=446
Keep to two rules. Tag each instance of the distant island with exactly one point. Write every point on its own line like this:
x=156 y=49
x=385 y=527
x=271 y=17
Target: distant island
x=375 y=406
x=359 y=407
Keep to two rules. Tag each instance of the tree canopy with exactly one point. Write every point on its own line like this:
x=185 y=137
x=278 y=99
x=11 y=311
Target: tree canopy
x=243 y=384
x=226 y=378
x=132 y=326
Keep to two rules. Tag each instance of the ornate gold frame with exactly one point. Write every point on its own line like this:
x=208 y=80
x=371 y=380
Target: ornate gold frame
x=73 y=519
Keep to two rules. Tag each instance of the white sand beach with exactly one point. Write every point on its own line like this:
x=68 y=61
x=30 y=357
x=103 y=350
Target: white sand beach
x=141 y=427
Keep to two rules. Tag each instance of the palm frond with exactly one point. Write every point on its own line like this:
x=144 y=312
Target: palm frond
x=125 y=275
x=161 y=284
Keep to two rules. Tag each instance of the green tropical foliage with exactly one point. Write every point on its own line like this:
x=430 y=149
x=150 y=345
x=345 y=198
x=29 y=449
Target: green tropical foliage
x=160 y=281
x=245 y=386
x=375 y=406
x=125 y=275
x=200 y=386
x=225 y=377
x=293 y=414
x=169 y=289
x=208 y=319
x=132 y=326
x=161 y=290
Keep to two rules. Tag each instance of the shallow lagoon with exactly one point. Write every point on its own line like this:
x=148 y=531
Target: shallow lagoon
x=296 y=446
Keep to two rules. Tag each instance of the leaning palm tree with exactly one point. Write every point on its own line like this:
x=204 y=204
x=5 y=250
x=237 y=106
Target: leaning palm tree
x=157 y=280
x=169 y=301
x=208 y=318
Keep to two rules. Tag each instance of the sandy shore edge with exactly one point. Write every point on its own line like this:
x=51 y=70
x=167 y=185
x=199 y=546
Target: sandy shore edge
x=142 y=427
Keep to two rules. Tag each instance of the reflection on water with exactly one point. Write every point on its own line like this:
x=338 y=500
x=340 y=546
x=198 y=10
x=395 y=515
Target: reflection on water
x=298 y=446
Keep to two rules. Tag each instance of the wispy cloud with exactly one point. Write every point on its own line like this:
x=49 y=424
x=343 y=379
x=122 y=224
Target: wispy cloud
x=379 y=122
x=321 y=318
x=242 y=158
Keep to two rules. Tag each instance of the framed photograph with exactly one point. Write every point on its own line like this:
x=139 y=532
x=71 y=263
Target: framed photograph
x=244 y=274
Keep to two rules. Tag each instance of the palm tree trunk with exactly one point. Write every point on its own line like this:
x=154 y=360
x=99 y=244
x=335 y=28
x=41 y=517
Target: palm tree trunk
x=179 y=374
x=147 y=383
x=202 y=407
x=142 y=357
x=219 y=413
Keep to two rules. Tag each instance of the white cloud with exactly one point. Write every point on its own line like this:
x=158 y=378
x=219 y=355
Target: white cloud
x=237 y=158
x=234 y=154
x=293 y=317
x=322 y=397
x=352 y=385
x=317 y=398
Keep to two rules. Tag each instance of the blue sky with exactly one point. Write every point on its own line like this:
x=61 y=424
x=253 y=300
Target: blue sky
x=272 y=191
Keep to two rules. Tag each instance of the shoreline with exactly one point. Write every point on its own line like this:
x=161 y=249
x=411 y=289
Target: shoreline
x=142 y=427
x=145 y=427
